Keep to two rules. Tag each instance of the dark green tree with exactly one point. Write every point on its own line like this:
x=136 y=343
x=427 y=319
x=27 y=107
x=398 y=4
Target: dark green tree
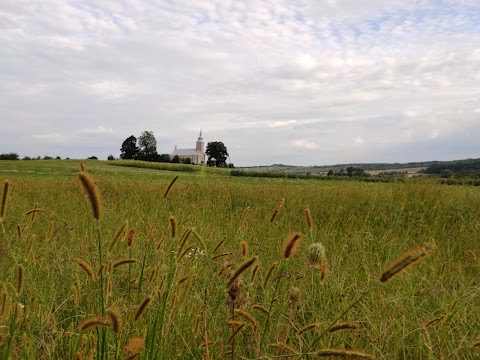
x=217 y=150
x=164 y=158
x=129 y=149
x=148 y=146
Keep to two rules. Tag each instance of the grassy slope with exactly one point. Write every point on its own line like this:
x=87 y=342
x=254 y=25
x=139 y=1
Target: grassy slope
x=363 y=226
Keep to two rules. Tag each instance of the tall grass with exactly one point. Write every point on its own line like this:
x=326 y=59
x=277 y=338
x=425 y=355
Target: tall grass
x=221 y=286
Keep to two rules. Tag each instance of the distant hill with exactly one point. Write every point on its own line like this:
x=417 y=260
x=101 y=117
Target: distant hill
x=425 y=167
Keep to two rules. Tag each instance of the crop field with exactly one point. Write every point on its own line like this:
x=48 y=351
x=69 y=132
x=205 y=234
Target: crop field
x=117 y=262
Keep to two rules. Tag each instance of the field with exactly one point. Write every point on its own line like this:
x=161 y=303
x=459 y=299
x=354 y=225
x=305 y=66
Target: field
x=143 y=264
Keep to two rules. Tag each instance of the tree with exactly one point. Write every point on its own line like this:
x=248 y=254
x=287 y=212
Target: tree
x=164 y=158
x=129 y=149
x=148 y=146
x=217 y=150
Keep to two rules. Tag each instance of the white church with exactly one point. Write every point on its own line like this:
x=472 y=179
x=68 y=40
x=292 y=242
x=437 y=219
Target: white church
x=197 y=155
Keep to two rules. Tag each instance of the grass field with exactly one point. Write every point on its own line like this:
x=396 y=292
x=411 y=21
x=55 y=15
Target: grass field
x=209 y=266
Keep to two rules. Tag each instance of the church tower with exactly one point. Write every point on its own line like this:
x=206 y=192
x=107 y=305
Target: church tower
x=200 y=149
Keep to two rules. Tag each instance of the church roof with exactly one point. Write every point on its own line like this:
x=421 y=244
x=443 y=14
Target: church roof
x=185 y=152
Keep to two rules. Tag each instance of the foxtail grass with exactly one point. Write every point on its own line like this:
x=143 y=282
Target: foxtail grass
x=407 y=260
x=291 y=244
x=91 y=190
x=170 y=186
x=241 y=268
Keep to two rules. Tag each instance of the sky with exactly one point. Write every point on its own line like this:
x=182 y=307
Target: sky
x=298 y=82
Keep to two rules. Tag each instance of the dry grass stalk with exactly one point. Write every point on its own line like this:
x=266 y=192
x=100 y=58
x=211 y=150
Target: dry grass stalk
x=254 y=273
x=115 y=319
x=170 y=186
x=133 y=347
x=36 y=210
x=93 y=322
x=308 y=328
x=3 y=209
x=132 y=234
x=261 y=308
x=277 y=210
x=186 y=235
x=200 y=240
x=119 y=235
x=234 y=333
x=219 y=244
x=285 y=348
x=20 y=279
x=308 y=217
x=173 y=226
x=226 y=264
x=4 y=308
x=269 y=274
x=123 y=262
x=244 y=248
x=407 y=260
x=221 y=255
x=91 y=190
x=143 y=307
x=85 y=266
x=349 y=325
x=247 y=316
x=291 y=244
x=351 y=354
x=243 y=267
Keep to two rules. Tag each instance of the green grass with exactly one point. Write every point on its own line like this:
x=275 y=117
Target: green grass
x=429 y=311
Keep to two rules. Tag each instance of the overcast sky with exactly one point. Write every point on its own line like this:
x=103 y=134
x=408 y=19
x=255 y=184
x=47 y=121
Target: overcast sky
x=277 y=81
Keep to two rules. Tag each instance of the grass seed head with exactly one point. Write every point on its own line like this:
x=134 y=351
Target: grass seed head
x=170 y=186
x=93 y=322
x=407 y=260
x=308 y=217
x=277 y=210
x=243 y=267
x=133 y=347
x=20 y=279
x=115 y=319
x=173 y=226
x=3 y=209
x=294 y=295
x=131 y=237
x=143 y=307
x=85 y=266
x=291 y=244
x=91 y=190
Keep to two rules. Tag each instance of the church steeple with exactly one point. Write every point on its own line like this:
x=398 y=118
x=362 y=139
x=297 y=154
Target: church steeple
x=200 y=147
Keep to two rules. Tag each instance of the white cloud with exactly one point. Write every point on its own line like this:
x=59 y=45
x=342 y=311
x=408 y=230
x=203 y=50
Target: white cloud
x=301 y=143
x=100 y=130
x=282 y=123
x=359 y=140
x=51 y=138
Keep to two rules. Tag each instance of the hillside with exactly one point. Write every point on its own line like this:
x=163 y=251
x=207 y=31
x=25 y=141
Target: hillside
x=427 y=167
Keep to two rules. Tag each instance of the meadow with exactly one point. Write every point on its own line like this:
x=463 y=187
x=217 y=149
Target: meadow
x=118 y=262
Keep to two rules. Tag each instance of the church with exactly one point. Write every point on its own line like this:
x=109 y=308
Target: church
x=196 y=156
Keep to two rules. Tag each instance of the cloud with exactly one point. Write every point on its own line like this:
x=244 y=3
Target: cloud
x=51 y=138
x=359 y=140
x=281 y=123
x=301 y=143
x=100 y=130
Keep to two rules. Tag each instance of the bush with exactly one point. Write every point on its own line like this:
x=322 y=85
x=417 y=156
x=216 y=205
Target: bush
x=92 y=158
x=9 y=156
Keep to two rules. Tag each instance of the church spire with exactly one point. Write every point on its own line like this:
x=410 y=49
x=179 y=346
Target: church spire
x=200 y=136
